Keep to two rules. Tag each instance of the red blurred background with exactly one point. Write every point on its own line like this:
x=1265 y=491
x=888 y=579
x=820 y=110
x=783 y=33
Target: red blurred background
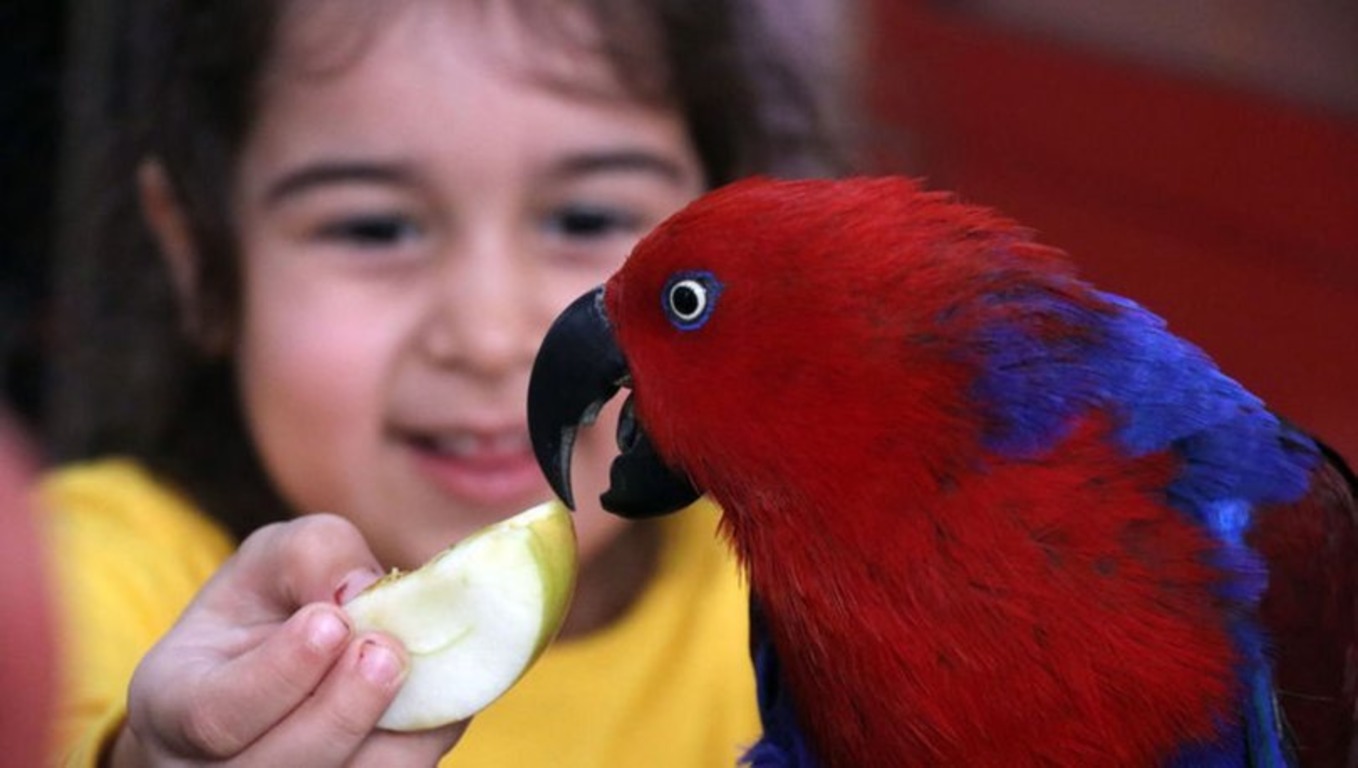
x=1201 y=158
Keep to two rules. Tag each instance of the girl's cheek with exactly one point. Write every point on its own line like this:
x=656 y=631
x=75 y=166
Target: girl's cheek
x=316 y=344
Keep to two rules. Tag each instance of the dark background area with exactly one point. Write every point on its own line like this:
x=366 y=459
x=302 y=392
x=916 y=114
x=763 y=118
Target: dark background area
x=30 y=133
x=1201 y=158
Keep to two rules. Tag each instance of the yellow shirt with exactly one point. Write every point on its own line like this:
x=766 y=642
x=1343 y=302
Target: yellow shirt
x=668 y=684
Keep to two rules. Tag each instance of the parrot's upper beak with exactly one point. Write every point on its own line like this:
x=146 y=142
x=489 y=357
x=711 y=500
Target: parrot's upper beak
x=579 y=367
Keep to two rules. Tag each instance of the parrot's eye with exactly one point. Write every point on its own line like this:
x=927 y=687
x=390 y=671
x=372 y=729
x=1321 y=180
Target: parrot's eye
x=689 y=298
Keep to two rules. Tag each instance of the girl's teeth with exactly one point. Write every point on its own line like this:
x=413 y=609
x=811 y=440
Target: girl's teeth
x=464 y=444
x=509 y=443
x=454 y=445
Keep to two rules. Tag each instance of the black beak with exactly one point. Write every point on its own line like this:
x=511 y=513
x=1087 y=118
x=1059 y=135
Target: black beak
x=579 y=367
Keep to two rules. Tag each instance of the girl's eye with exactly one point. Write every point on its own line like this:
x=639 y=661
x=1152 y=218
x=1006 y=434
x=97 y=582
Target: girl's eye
x=583 y=221
x=371 y=231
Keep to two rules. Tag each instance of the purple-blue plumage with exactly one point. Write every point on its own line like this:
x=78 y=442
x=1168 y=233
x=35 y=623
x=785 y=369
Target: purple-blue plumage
x=783 y=745
x=1163 y=394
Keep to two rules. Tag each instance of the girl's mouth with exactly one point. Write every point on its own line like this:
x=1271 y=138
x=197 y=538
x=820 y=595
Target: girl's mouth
x=484 y=468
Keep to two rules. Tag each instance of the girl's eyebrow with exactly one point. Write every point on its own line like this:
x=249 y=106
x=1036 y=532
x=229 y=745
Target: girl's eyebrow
x=642 y=160
x=324 y=172
x=321 y=173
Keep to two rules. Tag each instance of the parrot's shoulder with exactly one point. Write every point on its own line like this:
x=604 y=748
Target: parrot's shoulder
x=1310 y=610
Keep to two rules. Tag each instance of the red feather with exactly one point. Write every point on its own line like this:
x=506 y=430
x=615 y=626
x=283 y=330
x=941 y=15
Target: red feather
x=928 y=630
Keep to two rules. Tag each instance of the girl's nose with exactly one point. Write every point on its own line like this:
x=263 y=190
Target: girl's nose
x=479 y=317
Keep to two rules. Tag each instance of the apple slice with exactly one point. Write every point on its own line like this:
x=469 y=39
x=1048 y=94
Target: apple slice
x=475 y=617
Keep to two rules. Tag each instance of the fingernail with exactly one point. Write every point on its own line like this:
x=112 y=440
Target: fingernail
x=354 y=581
x=326 y=631
x=378 y=664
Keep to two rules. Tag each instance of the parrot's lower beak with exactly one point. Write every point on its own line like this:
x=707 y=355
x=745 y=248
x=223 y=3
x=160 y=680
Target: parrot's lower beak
x=579 y=367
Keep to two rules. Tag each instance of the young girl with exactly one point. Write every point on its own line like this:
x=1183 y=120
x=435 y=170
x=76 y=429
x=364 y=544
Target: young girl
x=360 y=220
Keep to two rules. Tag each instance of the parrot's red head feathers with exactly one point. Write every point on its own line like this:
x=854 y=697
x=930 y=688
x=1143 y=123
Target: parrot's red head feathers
x=795 y=294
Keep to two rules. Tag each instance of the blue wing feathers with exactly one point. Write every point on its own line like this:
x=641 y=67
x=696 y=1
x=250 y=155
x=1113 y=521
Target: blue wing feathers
x=1163 y=394
x=782 y=745
x=1049 y=360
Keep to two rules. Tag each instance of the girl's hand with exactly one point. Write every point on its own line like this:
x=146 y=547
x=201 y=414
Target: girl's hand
x=263 y=669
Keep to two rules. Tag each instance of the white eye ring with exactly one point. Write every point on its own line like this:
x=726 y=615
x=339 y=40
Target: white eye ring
x=687 y=300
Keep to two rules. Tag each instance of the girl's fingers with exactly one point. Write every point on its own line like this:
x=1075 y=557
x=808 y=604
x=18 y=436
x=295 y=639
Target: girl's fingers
x=231 y=703
x=257 y=644
x=315 y=558
x=336 y=724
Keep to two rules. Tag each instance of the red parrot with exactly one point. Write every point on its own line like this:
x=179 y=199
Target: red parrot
x=990 y=515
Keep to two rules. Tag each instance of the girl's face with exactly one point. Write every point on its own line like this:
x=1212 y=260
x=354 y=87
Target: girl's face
x=411 y=220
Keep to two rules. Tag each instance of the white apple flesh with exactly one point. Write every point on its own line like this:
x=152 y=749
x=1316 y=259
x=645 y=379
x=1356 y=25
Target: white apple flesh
x=475 y=617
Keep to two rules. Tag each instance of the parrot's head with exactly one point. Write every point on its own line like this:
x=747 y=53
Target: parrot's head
x=777 y=334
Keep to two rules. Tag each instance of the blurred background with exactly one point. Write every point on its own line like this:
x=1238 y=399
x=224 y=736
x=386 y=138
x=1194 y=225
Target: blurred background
x=1200 y=157
x=32 y=42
